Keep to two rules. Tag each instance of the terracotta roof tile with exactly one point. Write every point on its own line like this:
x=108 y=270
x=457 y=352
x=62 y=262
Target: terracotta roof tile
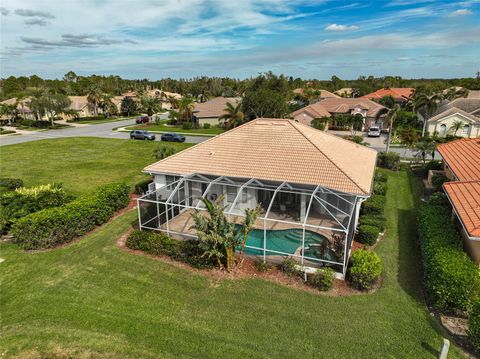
x=315 y=110
x=398 y=93
x=214 y=107
x=463 y=158
x=345 y=105
x=278 y=150
x=465 y=198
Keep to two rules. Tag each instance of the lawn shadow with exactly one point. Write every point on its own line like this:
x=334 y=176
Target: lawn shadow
x=430 y=349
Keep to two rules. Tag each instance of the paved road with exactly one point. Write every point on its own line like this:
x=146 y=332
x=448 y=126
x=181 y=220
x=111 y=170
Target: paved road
x=100 y=130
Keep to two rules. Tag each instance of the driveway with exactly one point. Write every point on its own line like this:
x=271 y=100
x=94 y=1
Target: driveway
x=101 y=130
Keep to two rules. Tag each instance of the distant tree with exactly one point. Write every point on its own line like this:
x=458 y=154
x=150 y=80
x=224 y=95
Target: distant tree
x=107 y=105
x=387 y=101
x=94 y=97
x=8 y=111
x=50 y=105
x=70 y=76
x=128 y=106
x=185 y=109
x=427 y=103
x=150 y=104
x=390 y=117
x=233 y=116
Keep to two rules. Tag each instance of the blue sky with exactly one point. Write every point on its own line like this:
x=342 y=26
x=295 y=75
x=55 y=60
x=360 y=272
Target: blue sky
x=184 y=38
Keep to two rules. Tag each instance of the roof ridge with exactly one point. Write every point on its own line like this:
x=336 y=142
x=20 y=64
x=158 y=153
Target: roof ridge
x=295 y=124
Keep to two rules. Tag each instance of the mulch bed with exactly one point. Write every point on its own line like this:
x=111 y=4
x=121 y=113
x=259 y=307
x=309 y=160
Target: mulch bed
x=247 y=269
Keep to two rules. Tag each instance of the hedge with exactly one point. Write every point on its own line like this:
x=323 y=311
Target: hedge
x=11 y=183
x=374 y=220
x=379 y=188
x=374 y=205
x=365 y=268
x=452 y=280
x=141 y=187
x=389 y=160
x=474 y=326
x=368 y=234
x=53 y=226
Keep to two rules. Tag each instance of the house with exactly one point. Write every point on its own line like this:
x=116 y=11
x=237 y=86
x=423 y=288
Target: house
x=372 y=112
x=309 y=184
x=462 y=166
x=22 y=107
x=81 y=106
x=308 y=113
x=164 y=96
x=465 y=110
x=211 y=110
x=322 y=93
x=400 y=94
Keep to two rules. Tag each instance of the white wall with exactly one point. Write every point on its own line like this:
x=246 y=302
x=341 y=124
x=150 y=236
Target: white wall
x=448 y=122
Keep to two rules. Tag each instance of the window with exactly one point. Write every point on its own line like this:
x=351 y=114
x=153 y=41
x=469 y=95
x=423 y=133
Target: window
x=466 y=130
x=443 y=129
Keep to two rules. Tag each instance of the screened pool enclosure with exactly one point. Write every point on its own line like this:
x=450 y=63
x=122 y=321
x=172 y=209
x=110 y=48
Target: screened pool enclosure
x=312 y=224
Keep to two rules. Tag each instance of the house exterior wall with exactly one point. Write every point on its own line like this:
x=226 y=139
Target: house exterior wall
x=211 y=120
x=436 y=126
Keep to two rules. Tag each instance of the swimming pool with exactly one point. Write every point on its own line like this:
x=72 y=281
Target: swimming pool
x=288 y=241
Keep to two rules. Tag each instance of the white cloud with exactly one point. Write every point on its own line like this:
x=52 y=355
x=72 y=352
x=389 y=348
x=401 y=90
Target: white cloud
x=461 y=12
x=336 y=27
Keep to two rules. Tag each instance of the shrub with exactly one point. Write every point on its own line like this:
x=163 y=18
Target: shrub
x=434 y=166
x=163 y=151
x=438 y=180
x=389 y=160
x=380 y=176
x=207 y=126
x=33 y=123
x=438 y=199
x=11 y=183
x=322 y=279
x=365 y=269
x=374 y=220
x=187 y=126
x=474 y=326
x=53 y=226
x=23 y=201
x=6 y=132
x=379 y=188
x=374 y=205
x=368 y=234
x=288 y=267
x=261 y=265
x=452 y=280
x=141 y=187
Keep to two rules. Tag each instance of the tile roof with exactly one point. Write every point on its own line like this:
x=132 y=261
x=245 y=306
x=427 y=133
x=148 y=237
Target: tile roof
x=315 y=110
x=398 y=93
x=214 y=107
x=463 y=158
x=465 y=198
x=323 y=93
x=278 y=150
x=452 y=111
x=78 y=103
x=345 y=105
x=470 y=105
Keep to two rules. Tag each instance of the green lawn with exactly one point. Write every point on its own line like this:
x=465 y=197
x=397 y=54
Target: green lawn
x=80 y=163
x=100 y=119
x=163 y=128
x=91 y=295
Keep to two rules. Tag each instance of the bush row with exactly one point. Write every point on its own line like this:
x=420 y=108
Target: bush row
x=53 y=226
x=23 y=201
x=10 y=184
x=158 y=243
x=452 y=280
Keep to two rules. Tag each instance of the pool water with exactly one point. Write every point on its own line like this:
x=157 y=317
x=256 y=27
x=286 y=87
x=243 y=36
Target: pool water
x=288 y=241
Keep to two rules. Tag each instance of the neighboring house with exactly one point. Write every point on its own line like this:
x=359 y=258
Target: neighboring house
x=462 y=166
x=400 y=94
x=309 y=185
x=307 y=114
x=81 y=107
x=211 y=110
x=22 y=107
x=372 y=112
x=466 y=110
x=163 y=95
x=322 y=93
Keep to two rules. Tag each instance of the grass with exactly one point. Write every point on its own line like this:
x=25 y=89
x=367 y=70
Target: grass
x=80 y=163
x=93 y=296
x=100 y=119
x=164 y=128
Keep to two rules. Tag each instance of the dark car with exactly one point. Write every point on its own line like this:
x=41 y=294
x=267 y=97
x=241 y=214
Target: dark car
x=172 y=137
x=143 y=119
x=142 y=135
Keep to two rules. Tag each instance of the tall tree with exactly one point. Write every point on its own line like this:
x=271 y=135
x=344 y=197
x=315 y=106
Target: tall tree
x=150 y=104
x=427 y=103
x=94 y=96
x=185 y=109
x=128 y=106
x=390 y=118
x=233 y=115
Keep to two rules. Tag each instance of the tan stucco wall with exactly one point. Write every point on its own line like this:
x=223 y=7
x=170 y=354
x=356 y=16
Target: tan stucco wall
x=448 y=122
x=211 y=120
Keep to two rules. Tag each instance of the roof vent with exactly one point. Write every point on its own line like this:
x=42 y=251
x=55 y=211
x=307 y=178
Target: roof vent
x=211 y=153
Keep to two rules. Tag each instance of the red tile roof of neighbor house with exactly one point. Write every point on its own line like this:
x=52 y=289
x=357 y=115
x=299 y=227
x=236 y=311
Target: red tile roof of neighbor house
x=278 y=150
x=465 y=198
x=463 y=158
x=398 y=93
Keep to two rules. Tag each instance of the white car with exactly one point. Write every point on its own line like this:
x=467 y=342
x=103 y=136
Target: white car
x=373 y=131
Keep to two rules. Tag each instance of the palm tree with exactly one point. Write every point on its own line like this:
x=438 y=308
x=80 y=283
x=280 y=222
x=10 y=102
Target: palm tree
x=107 y=105
x=428 y=103
x=150 y=104
x=185 y=109
x=233 y=115
x=173 y=101
x=456 y=125
x=424 y=147
x=94 y=97
x=390 y=117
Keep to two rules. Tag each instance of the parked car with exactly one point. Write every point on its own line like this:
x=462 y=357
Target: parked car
x=373 y=131
x=143 y=119
x=142 y=135
x=173 y=137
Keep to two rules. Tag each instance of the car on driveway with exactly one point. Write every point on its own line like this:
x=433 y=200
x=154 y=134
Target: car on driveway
x=373 y=131
x=142 y=135
x=172 y=137
x=143 y=119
